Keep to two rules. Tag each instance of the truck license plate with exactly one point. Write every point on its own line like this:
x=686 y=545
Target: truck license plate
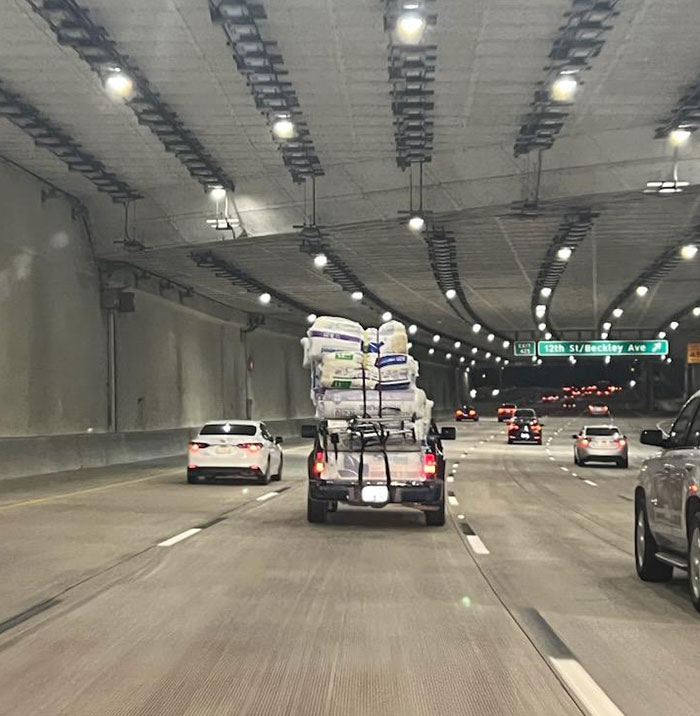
x=376 y=494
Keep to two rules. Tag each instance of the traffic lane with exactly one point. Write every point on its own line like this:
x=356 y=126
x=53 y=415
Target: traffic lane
x=55 y=538
x=374 y=613
x=563 y=551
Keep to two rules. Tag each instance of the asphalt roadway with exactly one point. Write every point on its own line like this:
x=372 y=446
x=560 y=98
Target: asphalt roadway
x=125 y=591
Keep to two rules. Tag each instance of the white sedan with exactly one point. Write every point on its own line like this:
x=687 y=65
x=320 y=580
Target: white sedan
x=235 y=448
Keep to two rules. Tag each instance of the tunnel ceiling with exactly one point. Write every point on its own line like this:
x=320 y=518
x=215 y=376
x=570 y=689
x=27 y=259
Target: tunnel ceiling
x=478 y=80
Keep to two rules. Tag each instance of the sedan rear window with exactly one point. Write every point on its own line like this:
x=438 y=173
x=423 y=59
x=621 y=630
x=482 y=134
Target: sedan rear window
x=602 y=431
x=228 y=429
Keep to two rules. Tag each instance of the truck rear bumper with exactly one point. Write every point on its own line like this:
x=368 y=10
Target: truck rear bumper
x=428 y=493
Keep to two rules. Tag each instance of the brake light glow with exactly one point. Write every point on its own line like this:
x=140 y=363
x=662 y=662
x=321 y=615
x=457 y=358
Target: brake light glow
x=429 y=464
x=472 y=412
x=459 y=412
x=252 y=447
x=319 y=463
x=197 y=446
x=584 y=442
x=191 y=467
x=621 y=442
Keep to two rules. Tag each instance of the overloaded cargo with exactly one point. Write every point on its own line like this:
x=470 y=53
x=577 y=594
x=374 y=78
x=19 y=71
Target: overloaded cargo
x=358 y=372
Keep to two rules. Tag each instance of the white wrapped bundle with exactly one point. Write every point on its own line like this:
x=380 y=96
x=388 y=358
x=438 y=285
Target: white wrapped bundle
x=397 y=370
x=337 y=404
x=393 y=337
x=345 y=370
x=330 y=334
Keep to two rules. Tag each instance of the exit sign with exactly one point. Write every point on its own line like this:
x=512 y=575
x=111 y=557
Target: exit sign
x=602 y=348
x=524 y=348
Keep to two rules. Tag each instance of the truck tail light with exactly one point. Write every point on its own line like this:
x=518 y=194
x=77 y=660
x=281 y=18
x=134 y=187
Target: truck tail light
x=319 y=463
x=429 y=464
x=252 y=447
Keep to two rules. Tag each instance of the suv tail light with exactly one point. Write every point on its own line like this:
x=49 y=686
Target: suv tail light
x=429 y=464
x=621 y=442
x=459 y=412
x=253 y=447
x=197 y=446
x=319 y=463
x=584 y=442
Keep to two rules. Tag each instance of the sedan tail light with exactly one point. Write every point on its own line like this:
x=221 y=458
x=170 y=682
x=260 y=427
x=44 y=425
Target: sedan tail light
x=472 y=412
x=458 y=412
x=429 y=464
x=253 y=447
x=197 y=446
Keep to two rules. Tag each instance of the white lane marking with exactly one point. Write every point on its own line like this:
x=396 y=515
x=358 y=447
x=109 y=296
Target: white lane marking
x=590 y=482
x=178 y=538
x=551 y=458
x=455 y=465
x=450 y=478
x=266 y=496
x=453 y=500
x=565 y=469
x=593 y=699
x=477 y=545
x=464 y=454
x=575 y=474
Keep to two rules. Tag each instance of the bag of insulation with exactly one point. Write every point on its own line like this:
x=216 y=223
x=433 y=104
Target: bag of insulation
x=345 y=370
x=393 y=338
x=330 y=334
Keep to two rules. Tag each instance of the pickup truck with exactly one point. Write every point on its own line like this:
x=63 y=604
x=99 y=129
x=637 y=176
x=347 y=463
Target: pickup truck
x=667 y=502
x=374 y=462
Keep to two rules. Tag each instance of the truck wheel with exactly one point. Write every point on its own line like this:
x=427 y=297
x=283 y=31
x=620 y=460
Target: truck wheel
x=436 y=518
x=694 y=561
x=648 y=567
x=316 y=510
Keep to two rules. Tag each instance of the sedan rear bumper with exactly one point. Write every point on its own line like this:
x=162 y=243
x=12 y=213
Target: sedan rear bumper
x=209 y=472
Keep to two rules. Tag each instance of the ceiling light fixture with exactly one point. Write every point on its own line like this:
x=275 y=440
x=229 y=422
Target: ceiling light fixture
x=542 y=326
x=410 y=27
x=696 y=311
x=413 y=329
x=283 y=128
x=431 y=351
x=475 y=350
x=564 y=253
x=618 y=312
x=458 y=344
x=564 y=88
x=673 y=325
x=436 y=338
x=217 y=193
x=487 y=355
x=416 y=223
x=506 y=344
x=320 y=260
x=689 y=251
x=450 y=294
x=386 y=316
x=357 y=295
x=490 y=338
x=476 y=327
x=540 y=310
x=642 y=291
x=546 y=292
x=119 y=84
x=311 y=318
x=607 y=326
x=661 y=335
x=679 y=136
x=264 y=298
x=448 y=356
x=604 y=336
x=548 y=336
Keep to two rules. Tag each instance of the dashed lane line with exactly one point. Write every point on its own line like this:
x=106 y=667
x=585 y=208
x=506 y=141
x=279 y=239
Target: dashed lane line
x=591 y=483
x=178 y=538
x=586 y=691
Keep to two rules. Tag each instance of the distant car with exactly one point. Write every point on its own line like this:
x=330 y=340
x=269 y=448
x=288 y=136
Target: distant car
x=524 y=427
x=667 y=502
x=550 y=398
x=598 y=410
x=467 y=412
x=235 y=448
x=569 y=404
x=601 y=443
x=505 y=412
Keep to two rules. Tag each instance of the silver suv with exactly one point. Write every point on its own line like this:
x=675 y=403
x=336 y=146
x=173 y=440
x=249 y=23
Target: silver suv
x=667 y=502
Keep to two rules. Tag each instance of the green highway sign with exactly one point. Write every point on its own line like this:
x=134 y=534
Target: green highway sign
x=602 y=348
x=524 y=348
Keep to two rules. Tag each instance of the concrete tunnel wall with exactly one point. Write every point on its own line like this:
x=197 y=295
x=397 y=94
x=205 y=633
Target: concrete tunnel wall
x=176 y=367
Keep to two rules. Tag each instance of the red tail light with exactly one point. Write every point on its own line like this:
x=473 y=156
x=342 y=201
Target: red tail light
x=584 y=442
x=459 y=412
x=429 y=464
x=621 y=442
x=197 y=446
x=319 y=463
x=253 y=447
x=537 y=428
x=472 y=412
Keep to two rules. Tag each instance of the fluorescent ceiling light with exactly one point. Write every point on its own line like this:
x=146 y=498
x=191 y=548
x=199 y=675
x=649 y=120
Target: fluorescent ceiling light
x=320 y=260
x=436 y=338
x=642 y=291
x=357 y=295
x=450 y=294
x=564 y=253
x=410 y=27
x=679 y=136
x=416 y=223
x=283 y=128
x=564 y=88
x=413 y=329
x=546 y=292
x=386 y=316
x=264 y=298
x=689 y=251
x=618 y=312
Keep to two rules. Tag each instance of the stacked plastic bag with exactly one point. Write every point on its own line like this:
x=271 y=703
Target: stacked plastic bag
x=357 y=372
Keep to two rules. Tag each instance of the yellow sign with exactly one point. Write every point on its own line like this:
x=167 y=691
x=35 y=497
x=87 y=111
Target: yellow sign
x=693 y=353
